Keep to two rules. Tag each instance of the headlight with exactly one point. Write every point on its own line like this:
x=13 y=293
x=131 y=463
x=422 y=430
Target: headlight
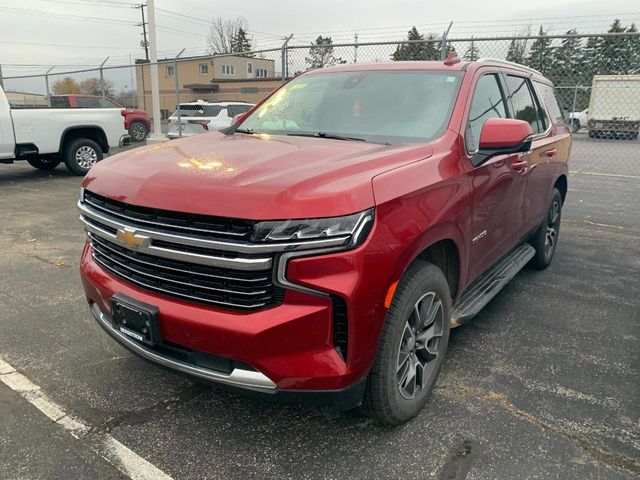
x=353 y=228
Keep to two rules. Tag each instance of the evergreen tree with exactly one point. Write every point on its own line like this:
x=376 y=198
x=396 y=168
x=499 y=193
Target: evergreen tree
x=539 y=56
x=614 y=51
x=634 y=49
x=566 y=60
x=422 y=49
x=516 y=51
x=321 y=53
x=240 y=42
x=472 y=53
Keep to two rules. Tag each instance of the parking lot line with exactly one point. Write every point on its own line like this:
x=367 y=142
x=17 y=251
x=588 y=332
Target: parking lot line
x=120 y=456
x=577 y=172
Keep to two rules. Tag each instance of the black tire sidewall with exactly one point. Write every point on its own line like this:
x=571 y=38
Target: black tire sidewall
x=540 y=260
x=70 y=154
x=383 y=397
x=42 y=164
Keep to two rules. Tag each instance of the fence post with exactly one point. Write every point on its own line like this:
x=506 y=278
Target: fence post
x=46 y=82
x=284 y=57
x=102 y=77
x=575 y=96
x=175 y=71
x=443 y=44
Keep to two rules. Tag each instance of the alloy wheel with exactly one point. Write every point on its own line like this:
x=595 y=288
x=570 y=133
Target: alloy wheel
x=86 y=156
x=419 y=345
x=551 y=236
x=138 y=132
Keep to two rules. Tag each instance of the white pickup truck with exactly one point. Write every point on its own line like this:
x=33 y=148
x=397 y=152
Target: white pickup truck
x=46 y=136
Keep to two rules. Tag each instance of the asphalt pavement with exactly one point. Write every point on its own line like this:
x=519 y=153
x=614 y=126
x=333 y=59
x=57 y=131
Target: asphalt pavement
x=544 y=383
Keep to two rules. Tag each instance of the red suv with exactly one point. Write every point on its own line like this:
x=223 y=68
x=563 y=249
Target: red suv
x=137 y=122
x=321 y=248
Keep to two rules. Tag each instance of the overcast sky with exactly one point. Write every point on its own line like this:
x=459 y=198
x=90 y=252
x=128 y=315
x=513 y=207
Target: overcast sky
x=35 y=33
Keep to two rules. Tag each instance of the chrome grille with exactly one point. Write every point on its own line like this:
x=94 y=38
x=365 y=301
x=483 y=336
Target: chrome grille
x=185 y=261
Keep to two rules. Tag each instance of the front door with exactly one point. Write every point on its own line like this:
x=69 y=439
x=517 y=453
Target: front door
x=498 y=184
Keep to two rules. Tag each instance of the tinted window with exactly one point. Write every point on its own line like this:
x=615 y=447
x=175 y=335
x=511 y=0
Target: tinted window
x=550 y=98
x=487 y=102
x=377 y=106
x=237 y=109
x=106 y=103
x=198 y=110
x=59 y=102
x=87 y=102
x=524 y=105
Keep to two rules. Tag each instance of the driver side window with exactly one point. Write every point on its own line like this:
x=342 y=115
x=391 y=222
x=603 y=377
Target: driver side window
x=488 y=102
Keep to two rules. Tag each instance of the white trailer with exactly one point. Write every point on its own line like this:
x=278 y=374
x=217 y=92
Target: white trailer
x=614 y=107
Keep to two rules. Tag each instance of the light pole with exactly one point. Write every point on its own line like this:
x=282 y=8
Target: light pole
x=155 y=89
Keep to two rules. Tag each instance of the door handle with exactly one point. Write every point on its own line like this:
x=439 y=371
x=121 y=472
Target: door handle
x=550 y=153
x=519 y=165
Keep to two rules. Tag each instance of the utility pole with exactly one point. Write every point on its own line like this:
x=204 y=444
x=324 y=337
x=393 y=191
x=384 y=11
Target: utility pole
x=144 y=42
x=155 y=88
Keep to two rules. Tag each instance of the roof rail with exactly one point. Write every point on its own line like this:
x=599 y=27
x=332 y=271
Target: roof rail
x=507 y=62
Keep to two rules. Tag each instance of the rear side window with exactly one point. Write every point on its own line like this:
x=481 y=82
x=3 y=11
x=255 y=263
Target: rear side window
x=488 y=102
x=524 y=104
x=60 y=102
x=87 y=102
x=550 y=99
x=238 y=109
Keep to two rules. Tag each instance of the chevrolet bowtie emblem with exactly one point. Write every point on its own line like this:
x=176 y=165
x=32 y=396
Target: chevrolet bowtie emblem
x=131 y=239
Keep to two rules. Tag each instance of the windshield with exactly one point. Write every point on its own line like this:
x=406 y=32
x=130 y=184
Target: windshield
x=195 y=110
x=381 y=107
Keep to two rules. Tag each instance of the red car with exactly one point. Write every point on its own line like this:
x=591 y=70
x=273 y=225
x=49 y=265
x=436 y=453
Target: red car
x=320 y=249
x=137 y=122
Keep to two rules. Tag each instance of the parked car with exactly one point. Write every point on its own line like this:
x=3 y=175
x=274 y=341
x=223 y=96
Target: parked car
x=43 y=137
x=202 y=116
x=137 y=122
x=614 y=108
x=579 y=120
x=322 y=247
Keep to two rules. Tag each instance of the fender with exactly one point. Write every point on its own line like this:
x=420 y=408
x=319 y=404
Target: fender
x=103 y=142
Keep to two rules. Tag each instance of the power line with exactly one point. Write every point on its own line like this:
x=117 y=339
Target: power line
x=37 y=13
x=66 y=45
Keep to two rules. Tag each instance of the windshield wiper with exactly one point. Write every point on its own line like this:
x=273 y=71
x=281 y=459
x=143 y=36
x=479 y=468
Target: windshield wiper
x=248 y=131
x=327 y=135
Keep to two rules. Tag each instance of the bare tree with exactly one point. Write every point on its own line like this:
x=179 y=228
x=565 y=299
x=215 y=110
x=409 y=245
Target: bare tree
x=223 y=34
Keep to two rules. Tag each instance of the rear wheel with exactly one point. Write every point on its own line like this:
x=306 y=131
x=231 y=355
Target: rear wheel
x=412 y=346
x=545 y=240
x=82 y=154
x=138 y=131
x=43 y=163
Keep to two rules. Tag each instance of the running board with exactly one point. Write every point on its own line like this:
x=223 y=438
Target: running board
x=487 y=285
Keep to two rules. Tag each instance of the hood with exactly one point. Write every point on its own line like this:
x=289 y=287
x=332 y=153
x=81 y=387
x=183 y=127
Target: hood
x=250 y=176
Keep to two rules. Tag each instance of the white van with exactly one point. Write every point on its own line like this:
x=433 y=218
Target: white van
x=202 y=116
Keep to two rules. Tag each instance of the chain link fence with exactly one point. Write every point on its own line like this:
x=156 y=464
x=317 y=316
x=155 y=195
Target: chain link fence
x=597 y=79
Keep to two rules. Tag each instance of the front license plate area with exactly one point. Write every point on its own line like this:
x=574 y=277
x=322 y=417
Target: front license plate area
x=136 y=320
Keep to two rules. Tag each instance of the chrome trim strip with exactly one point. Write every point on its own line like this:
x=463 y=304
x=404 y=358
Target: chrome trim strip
x=213 y=244
x=246 y=264
x=177 y=294
x=238 y=377
x=95 y=238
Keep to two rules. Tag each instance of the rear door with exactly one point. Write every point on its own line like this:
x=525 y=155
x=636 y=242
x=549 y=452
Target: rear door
x=498 y=184
x=526 y=106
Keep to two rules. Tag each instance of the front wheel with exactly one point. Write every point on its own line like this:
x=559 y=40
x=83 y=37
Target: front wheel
x=575 y=125
x=412 y=346
x=82 y=154
x=43 y=163
x=545 y=240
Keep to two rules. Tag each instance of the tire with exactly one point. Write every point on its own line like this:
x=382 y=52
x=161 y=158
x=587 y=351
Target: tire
x=43 y=163
x=575 y=125
x=82 y=154
x=138 y=131
x=389 y=396
x=545 y=240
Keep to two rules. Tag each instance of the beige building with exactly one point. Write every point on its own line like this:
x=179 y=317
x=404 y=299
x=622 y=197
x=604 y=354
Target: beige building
x=231 y=77
x=26 y=99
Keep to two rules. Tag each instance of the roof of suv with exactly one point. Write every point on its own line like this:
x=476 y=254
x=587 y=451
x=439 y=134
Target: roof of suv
x=224 y=104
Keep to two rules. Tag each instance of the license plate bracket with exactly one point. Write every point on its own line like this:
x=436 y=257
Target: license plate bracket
x=136 y=320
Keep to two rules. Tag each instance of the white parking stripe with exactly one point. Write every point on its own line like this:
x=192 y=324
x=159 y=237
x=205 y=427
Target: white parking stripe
x=121 y=457
x=574 y=172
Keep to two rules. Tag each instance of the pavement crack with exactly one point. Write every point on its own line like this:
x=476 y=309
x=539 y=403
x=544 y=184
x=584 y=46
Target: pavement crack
x=597 y=453
x=143 y=415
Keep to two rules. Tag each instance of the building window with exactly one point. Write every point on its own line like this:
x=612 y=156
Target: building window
x=228 y=70
x=249 y=68
x=204 y=69
x=261 y=73
x=171 y=71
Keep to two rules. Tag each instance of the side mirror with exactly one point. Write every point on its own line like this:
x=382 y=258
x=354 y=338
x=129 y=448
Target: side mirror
x=239 y=117
x=502 y=136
